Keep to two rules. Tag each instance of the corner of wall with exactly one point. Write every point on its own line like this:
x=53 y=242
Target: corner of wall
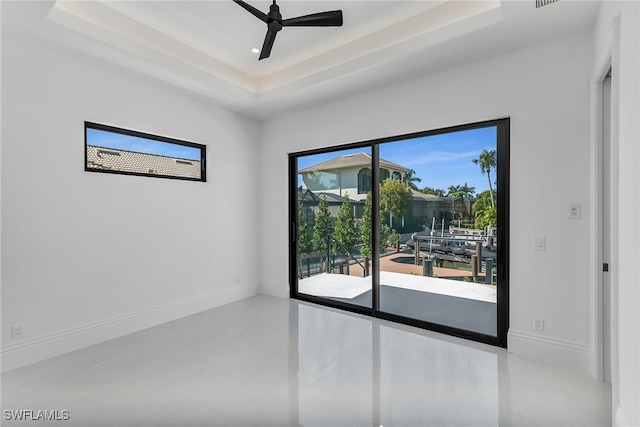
x=275 y=290
x=549 y=350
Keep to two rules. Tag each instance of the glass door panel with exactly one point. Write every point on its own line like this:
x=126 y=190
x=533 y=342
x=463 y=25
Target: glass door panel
x=333 y=230
x=438 y=260
x=413 y=228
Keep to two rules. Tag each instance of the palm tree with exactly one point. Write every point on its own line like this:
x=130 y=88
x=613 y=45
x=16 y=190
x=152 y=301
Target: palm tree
x=466 y=190
x=487 y=160
x=453 y=191
x=410 y=178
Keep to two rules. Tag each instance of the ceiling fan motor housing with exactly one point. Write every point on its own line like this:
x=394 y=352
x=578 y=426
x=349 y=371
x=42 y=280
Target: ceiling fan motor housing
x=275 y=18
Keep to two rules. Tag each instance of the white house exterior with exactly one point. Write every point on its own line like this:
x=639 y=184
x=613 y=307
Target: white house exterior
x=348 y=174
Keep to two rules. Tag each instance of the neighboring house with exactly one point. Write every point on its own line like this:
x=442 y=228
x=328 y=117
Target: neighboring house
x=310 y=201
x=348 y=174
x=133 y=161
x=351 y=174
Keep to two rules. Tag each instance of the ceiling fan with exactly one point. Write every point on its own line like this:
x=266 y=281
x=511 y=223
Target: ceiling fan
x=275 y=22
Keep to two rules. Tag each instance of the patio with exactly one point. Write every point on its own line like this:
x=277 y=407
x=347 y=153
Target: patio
x=464 y=305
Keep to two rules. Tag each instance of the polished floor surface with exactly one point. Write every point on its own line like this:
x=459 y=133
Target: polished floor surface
x=266 y=361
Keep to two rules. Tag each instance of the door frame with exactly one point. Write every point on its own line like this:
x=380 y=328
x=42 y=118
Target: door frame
x=606 y=60
x=502 y=178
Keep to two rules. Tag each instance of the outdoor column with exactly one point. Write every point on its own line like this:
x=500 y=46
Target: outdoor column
x=489 y=272
x=474 y=267
x=427 y=267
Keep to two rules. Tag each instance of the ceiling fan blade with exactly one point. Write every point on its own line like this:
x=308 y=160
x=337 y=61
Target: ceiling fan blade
x=323 y=19
x=255 y=12
x=268 y=43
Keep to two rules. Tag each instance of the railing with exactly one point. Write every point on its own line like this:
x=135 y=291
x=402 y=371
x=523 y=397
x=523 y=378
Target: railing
x=314 y=262
x=350 y=255
x=476 y=259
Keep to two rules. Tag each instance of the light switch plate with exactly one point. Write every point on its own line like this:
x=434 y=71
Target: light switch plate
x=574 y=211
x=539 y=243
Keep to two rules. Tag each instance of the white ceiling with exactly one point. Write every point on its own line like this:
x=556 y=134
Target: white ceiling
x=204 y=47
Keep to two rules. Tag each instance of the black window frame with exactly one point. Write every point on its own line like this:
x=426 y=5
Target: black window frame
x=503 y=134
x=152 y=137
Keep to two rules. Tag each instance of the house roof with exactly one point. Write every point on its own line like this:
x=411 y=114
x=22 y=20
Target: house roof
x=430 y=197
x=305 y=195
x=349 y=161
x=131 y=161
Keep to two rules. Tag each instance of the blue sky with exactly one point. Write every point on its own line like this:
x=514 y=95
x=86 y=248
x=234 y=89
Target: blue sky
x=140 y=145
x=439 y=160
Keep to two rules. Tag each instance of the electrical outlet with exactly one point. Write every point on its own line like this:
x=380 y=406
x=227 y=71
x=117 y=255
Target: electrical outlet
x=538 y=323
x=17 y=330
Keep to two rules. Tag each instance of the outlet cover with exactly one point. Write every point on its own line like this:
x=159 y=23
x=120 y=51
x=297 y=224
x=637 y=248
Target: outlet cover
x=17 y=330
x=538 y=323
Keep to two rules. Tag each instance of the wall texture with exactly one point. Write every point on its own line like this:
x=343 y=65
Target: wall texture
x=545 y=90
x=89 y=256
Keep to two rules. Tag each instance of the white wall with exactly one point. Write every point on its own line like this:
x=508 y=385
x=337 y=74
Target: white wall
x=90 y=256
x=617 y=30
x=545 y=90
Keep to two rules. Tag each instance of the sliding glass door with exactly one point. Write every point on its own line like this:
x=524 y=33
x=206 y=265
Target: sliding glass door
x=332 y=225
x=412 y=228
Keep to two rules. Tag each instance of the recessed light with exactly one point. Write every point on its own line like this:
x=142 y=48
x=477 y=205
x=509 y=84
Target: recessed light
x=255 y=50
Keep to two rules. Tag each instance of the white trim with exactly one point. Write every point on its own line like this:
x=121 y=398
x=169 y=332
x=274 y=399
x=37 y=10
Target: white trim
x=549 y=350
x=602 y=64
x=275 y=290
x=44 y=347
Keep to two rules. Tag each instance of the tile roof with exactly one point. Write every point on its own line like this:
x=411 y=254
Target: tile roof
x=103 y=158
x=351 y=161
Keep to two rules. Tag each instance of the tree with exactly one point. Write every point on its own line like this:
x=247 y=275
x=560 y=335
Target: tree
x=466 y=190
x=305 y=236
x=395 y=197
x=434 y=191
x=322 y=227
x=410 y=178
x=388 y=236
x=461 y=191
x=366 y=230
x=486 y=161
x=345 y=232
x=453 y=191
x=483 y=213
x=305 y=232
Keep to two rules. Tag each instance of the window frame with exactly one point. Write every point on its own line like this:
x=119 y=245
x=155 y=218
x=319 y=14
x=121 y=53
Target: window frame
x=148 y=136
x=503 y=134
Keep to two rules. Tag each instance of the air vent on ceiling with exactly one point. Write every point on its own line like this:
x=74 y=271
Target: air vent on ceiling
x=540 y=3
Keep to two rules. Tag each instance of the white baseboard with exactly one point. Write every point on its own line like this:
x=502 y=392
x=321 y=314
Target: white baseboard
x=36 y=349
x=620 y=420
x=548 y=350
x=275 y=290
